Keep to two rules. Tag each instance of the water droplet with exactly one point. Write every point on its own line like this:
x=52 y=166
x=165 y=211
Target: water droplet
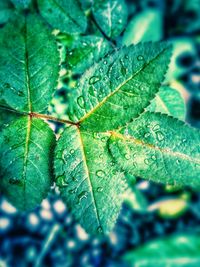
x=105 y=62
x=74 y=179
x=99 y=189
x=150 y=161
x=61 y=181
x=94 y=79
x=101 y=69
x=80 y=101
x=15 y=181
x=91 y=91
x=82 y=196
x=140 y=58
x=126 y=57
x=96 y=135
x=178 y=161
x=20 y=93
x=6 y=85
x=112 y=163
x=127 y=156
x=99 y=229
x=72 y=151
x=160 y=136
x=104 y=139
x=156 y=127
x=184 y=140
x=84 y=44
x=70 y=53
x=100 y=173
x=146 y=135
x=73 y=191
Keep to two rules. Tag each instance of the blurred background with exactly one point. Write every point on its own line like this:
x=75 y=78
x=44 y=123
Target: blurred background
x=155 y=220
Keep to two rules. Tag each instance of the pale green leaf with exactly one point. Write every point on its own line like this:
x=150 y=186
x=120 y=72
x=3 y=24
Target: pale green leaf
x=144 y=27
x=25 y=161
x=111 y=16
x=174 y=251
x=159 y=148
x=168 y=101
x=28 y=64
x=119 y=87
x=66 y=16
x=89 y=180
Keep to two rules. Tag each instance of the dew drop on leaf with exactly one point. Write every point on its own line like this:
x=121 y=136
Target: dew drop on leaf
x=99 y=229
x=105 y=62
x=178 y=161
x=82 y=195
x=99 y=189
x=100 y=173
x=101 y=69
x=94 y=79
x=72 y=151
x=80 y=101
x=160 y=136
x=156 y=127
x=20 y=93
x=72 y=191
x=61 y=181
x=127 y=156
x=15 y=181
x=140 y=58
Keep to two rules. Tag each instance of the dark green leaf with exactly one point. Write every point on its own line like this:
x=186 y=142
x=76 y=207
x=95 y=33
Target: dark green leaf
x=160 y=148
x=89 y=180
x=28 y=64
x=21 y=3
x=119 y=87
x=25 y=161
x=66 y=16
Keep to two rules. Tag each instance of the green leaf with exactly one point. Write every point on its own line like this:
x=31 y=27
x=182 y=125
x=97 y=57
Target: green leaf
x=21 y=3
x=28 y=69
x=159 y=148
x=111 y=16
x=178 y=250
x=67 y=16
x=90 y=182
x=168 y=101
x=119 y=87
x=144 y=27
x=25 y=161
x=84 y=51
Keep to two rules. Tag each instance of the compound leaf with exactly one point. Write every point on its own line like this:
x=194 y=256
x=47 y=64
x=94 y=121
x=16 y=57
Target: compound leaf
x=89 y=181
x=67 y=16
x=159 y=148
x=111 y=16
x=118 y=88
x=178 y=250
x=25 y=161
x=28 y=68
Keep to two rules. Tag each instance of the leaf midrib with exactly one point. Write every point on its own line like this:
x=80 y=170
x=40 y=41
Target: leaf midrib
x=153 y=147
x=88 y=175
x=87 y=115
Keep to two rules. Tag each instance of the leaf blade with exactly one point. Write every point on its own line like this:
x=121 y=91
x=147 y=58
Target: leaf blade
x=159 y=148
x=26 y=147
x=26 y=64
x=128 y=77
x=67 y=16
x=88 y=179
